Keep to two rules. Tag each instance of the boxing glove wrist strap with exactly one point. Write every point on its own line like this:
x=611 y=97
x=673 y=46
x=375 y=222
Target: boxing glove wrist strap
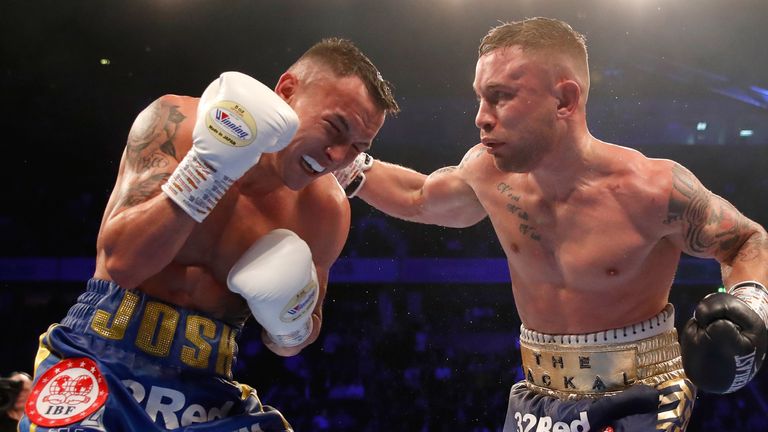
x=195 y=186
x=755 y=295
x=352 y=177
x=294 y=338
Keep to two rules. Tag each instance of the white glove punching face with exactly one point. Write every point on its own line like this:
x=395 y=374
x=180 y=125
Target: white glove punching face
x=238 y=119
x=352 y=177
x=277 y=278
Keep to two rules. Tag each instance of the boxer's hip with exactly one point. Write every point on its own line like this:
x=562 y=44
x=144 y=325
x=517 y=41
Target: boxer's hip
x=130 y=329
x=565 y=374
x=121 y=360
x=602 y=363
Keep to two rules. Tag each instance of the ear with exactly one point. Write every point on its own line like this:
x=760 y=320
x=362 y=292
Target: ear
x=287 y=85
x=568 y=95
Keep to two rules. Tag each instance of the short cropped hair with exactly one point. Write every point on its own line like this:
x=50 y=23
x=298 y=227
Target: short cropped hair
x=536 y=34
x=345 y=59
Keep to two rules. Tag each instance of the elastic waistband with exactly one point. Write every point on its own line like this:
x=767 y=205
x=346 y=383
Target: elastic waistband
x=657 y=325
x=596 y=364
x=169 y=335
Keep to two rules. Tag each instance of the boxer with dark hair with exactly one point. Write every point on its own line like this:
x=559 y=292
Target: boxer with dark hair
x=593 y=234
x=222 y=209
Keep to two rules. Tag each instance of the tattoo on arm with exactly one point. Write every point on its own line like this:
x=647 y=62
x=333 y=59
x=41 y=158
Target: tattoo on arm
x=710 y=224
x=154 y=133
x=753 y=248
x=143 y=190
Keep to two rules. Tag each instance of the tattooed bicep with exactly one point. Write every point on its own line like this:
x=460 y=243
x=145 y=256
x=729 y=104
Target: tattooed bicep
x=142 y=190
x=710 y=225
x=151 y=152
x=155 y=129
x=687 y=194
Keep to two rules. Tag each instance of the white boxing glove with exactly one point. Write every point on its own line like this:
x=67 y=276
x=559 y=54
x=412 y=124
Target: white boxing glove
x=238 y=119
x=352 y=177
x=277 y=278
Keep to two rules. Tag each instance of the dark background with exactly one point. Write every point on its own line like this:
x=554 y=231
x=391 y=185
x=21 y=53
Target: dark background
x=400 y=356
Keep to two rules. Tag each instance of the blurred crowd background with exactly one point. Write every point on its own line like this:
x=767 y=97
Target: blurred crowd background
x=420 y=332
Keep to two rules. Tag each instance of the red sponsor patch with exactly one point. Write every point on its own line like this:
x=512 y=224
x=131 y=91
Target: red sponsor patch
x=69 y=391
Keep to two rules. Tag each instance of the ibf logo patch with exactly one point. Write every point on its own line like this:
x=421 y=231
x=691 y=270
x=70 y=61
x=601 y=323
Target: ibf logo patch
x=69 y=391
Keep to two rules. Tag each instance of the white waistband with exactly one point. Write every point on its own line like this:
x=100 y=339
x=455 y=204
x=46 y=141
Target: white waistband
x=657 y=325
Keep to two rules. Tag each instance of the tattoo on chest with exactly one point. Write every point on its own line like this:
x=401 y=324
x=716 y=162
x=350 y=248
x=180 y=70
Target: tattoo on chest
x=514 y=207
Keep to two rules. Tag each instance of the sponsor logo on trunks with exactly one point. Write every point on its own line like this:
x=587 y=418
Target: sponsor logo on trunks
x=171 y=409
x=231 y=124
x=69 y=391
x=526 y=423
x=300 y=304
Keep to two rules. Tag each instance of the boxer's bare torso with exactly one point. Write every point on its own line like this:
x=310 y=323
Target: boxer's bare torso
x=257 y=203
x=600 y=255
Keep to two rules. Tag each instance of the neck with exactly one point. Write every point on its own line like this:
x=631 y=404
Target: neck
x=565 y=168
x=262 y=178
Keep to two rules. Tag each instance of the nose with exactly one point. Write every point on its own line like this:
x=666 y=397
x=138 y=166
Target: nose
x=485 y=120
x=338 y=152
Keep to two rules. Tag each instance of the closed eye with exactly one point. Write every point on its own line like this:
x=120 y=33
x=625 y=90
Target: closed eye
x=333 y=125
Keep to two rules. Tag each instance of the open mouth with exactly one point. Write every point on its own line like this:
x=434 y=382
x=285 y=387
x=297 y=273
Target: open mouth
x=312 y=165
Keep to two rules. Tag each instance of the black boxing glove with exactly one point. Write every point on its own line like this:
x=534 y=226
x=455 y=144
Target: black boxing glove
x=724 y=344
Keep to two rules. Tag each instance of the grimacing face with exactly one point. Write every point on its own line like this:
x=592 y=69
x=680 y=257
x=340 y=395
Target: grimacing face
x=517 y=108
x=338 y=119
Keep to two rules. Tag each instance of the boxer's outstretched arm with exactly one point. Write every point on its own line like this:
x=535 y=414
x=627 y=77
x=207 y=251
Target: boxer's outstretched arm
x=142 y=229
x=442 y=198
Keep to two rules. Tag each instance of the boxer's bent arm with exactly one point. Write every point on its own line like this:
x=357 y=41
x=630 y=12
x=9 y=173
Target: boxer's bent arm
x=334 y=216
x=442 y=198
x=143 y=229
x=708 y=226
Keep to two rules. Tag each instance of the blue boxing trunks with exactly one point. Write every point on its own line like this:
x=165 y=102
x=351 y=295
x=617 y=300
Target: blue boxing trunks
x=626 y=379
x=122 y=361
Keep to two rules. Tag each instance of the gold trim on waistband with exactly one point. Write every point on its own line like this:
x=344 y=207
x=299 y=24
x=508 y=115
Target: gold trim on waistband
x=572 y=371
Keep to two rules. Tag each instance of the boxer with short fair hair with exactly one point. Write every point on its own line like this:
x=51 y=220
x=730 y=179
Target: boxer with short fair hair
x=221 y=210
x=593 y=234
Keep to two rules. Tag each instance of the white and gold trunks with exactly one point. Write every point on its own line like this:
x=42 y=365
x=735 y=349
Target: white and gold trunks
x=602 y=363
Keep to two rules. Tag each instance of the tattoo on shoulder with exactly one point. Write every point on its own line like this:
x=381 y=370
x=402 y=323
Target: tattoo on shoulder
x=445 y=170
x=471 y=155
x=710 y=223
x=143 y=190
x=155 y=132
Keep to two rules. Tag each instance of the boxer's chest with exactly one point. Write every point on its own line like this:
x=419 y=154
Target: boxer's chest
x=236 y=223
x=588 y=240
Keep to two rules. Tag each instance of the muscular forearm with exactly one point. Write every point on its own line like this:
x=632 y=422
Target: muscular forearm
x=750 y=262
x=395 y=190
x=140 y=241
